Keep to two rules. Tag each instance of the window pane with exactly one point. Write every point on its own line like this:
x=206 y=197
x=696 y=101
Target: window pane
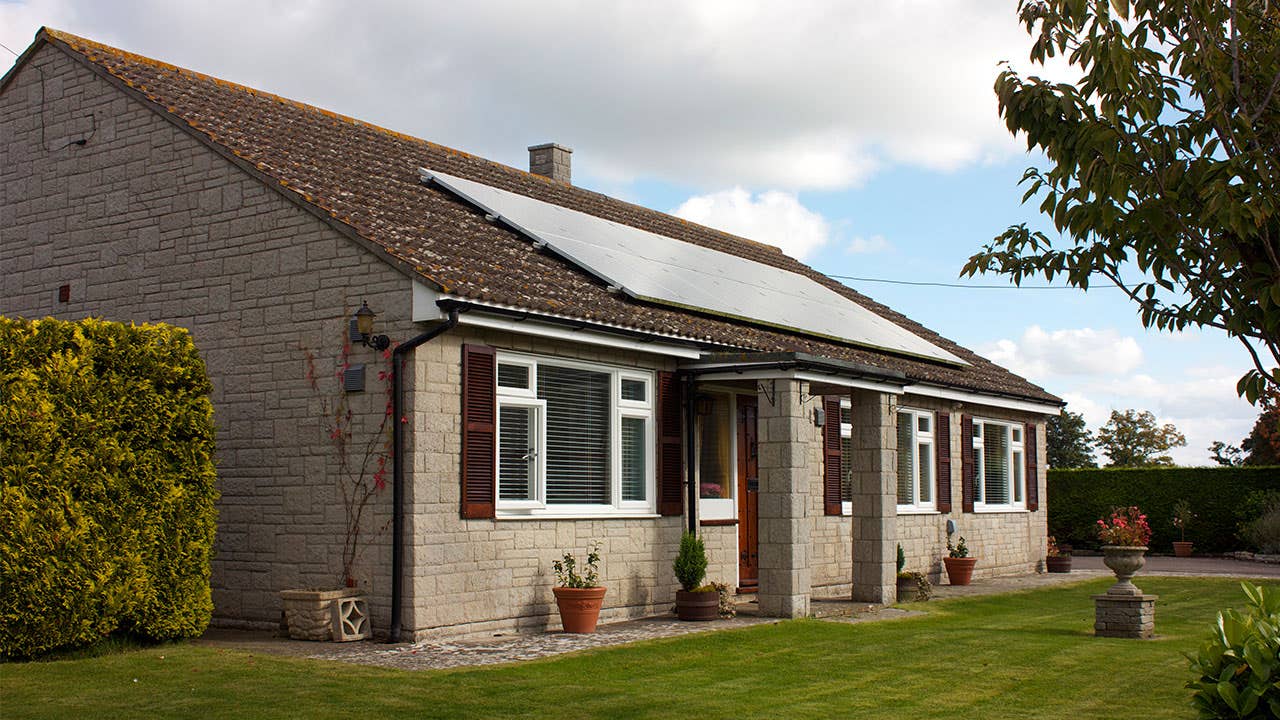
x=1017 y=435
x=977 y=474
x=516 y=457
x=577 y=435
x=996 y=465
x=922 y=423
x=714 y=444
x=633 y=390
x=846 y=469
x=633 y=456
x=513 y=376
x=906 y=464
x=926 y=472
x=1017 y=477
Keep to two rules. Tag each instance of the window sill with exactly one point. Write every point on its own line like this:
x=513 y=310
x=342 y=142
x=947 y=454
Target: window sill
x=504 y=516
x=917 y=511
x=1000 y=511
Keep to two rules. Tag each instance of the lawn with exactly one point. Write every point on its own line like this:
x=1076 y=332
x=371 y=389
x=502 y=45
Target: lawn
x=1029 y=655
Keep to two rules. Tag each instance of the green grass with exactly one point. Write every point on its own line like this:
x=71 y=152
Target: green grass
x=1028 y=654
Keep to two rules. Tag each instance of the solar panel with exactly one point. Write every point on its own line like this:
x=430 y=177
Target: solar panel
x=663 y=270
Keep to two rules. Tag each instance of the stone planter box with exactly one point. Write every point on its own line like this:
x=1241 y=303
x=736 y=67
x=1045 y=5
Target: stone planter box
x=323 y=615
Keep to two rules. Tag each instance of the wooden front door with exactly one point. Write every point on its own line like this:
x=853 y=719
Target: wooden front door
x=748 y=496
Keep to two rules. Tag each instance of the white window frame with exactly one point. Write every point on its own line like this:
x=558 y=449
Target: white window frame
x=846 y=433
x=918 y=438
x=1016 y=457
x=720 y=508
x=618 y=409
x=536 y=487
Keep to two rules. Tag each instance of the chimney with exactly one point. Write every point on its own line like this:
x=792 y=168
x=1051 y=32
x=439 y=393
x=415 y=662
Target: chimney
x=550 y=160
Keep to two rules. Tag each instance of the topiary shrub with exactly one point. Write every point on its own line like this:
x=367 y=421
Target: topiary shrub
x=691 y=563
x=1238 y=669
x=107 y=481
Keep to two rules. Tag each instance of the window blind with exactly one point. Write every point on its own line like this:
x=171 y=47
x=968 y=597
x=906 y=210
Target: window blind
x=995 y=458
x=578 y=436
x=906 y=460
x=515 y=452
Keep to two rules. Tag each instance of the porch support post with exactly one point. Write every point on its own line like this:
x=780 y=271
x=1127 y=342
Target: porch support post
x=786 y=440
x=875 y=496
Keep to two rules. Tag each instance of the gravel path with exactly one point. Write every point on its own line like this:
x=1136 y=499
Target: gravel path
x=439 y=654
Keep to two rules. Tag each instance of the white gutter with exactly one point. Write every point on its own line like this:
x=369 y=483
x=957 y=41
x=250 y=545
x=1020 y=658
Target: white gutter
x=964 y=396
x=812 y=377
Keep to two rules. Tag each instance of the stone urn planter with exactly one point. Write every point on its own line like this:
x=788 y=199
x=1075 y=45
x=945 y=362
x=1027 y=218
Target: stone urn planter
x=1181 y=548
x=959 y=570
x=580 y=607
x=1124 y=561
x=698 y=605
x=322 y=615
x=1058 y=563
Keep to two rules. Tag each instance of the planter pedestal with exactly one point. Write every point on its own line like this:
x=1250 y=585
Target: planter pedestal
x=338 y=615
x=1124 y=616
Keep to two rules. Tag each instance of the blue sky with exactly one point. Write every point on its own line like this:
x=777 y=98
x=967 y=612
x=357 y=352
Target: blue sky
x=860 y=136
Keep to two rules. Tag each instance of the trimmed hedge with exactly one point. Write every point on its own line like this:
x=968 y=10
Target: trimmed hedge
x=107 y=484
x=1078 y=498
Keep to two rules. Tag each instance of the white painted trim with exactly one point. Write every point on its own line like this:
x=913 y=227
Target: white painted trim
x=801 y=375
x=964 y=396
x=546 y=330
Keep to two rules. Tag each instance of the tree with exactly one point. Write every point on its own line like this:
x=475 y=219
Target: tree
x=1164 y=160
x=1263 y=444
x=1226 y=455
x=1069 y=441
x=1133 y=439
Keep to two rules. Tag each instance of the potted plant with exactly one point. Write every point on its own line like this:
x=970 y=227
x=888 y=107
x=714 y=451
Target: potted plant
x=694 y=601
x=1124 y=542
x=906 y=583
x=579 y=596
x=1058 y=559
x=959 y=564
x=359 y=458
x=1182 y=516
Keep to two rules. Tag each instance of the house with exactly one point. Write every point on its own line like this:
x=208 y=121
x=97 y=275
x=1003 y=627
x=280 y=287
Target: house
x=587 y=368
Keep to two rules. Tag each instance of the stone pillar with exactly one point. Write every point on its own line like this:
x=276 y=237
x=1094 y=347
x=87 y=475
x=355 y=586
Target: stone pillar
x=1124 y=616
x=875 y=496
x=785 y=434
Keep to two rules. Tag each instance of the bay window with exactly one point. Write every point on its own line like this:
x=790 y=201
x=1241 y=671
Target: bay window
x=915 y=461
x=573 y=438
x=998 y=462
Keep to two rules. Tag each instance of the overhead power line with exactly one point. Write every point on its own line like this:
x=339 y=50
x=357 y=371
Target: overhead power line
x=964 y=286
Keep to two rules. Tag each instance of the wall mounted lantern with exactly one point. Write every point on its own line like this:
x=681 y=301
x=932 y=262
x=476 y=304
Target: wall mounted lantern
x=362 y=329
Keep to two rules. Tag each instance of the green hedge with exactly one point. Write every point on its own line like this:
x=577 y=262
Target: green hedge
x=107 y=484
x=1077 y=498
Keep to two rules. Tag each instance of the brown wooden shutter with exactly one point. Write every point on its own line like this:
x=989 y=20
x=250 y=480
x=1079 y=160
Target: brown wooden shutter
x=942 y=438
x=670 y=465
x=479 y=414
x=1033 y=469
x=831 y=456
x=966 y=463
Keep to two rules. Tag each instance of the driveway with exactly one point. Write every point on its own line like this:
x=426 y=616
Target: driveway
x=1166 y=565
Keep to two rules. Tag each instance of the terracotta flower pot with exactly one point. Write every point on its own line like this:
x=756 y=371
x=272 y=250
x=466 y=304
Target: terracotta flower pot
x=1124 y=561
x=1181 y=548
x=579 y=608
x=1058 y=563
x=959 y=570
x=700 y=606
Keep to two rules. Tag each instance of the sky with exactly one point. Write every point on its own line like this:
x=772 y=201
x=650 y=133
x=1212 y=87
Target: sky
x=860 y=136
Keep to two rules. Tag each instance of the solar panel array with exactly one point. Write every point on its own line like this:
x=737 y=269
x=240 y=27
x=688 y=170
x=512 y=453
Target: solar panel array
x=667 y=271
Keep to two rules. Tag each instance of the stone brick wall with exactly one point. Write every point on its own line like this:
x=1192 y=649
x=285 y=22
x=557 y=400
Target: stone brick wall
x=482 y=576
x=147 y=224
x=1005 y=543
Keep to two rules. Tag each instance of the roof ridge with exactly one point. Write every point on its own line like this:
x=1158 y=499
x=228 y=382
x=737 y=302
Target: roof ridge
x=79 y=44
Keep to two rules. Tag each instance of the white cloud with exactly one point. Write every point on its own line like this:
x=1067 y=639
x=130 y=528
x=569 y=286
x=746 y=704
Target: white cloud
x=866 y=246
x=772 y=217
x=1083 y=351
x=708 y=94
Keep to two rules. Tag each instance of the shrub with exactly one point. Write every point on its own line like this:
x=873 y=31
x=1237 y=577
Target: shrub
x=107 y=484
x=1077 y=498
x=1263 y=534
x=691 y=563
x=1238 y=669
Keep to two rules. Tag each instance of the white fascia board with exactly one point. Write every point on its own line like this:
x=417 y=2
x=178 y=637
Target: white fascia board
x=425 y=309
x=812 y=377
x=944 y=393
